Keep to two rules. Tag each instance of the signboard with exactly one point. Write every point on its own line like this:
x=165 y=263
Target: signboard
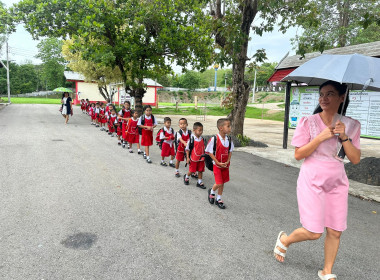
x=124 y=96
x=364 y=107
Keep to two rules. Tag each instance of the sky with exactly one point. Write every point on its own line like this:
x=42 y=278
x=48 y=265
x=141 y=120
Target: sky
x=23 y=48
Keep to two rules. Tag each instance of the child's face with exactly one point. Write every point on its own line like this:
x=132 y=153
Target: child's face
x=198 y=131
x=168 y=124
x=97 y=105
x=113 y=112
x=135 y=115
x=126 y=106
x=225 y=128
x=148 y=111
x=183 y=124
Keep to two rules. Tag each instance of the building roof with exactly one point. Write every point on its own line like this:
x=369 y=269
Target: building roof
x=278 y=75
x=74 y=76
x=369 y=49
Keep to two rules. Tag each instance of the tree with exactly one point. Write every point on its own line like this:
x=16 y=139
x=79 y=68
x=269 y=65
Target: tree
x=93 y=72
x=263 y=73
x=191 y=80
x=143 y=38
x=339 y=24
x=233 y=26
x=53 y=63
x=6 y=23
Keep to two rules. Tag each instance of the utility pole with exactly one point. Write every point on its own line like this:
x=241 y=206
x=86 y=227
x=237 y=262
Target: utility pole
x=254 y=88
x=8 y=81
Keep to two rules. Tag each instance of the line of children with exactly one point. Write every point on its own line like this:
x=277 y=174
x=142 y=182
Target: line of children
x=184 y=145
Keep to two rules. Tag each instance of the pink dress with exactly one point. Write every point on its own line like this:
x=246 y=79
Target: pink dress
x=322 y=186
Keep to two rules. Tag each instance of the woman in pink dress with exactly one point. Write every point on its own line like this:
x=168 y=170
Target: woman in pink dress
x=322 y=186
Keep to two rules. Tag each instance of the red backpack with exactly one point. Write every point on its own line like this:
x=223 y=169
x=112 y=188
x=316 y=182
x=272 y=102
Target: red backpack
x=160 y=141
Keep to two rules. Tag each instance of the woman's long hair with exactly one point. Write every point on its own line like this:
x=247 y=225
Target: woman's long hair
x=341 y=88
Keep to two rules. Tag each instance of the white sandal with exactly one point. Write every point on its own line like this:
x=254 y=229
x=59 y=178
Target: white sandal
x=326 y=276
x=279 y=244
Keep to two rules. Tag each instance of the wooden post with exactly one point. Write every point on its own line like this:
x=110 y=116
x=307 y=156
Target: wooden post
x=286 y=117
x=221 y=102
x=158 y=98
x=176 y=105
x=196 y=102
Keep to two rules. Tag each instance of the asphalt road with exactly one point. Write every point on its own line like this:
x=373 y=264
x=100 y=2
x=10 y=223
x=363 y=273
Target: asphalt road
x=74 y=205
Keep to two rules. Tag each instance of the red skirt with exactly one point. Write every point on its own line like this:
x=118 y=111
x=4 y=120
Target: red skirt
x=167 y=151
x=123 y=131
x=132 y=137
x=147 y=137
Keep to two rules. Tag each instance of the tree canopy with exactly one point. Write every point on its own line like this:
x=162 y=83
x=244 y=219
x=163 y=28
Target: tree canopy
x=340 y=23
x=143 y=38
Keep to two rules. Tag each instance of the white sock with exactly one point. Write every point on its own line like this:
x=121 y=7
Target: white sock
x=212 y=191
x=162 y=160
x=138 y=150
x=177 y=170
x=171 y=161
x=147 y=157
x=219 y=197
x=199 y=181
x=187 y=176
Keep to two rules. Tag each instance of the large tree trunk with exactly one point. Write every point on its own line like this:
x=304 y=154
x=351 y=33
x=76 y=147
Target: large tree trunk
x=240 y=88
x=343 y=21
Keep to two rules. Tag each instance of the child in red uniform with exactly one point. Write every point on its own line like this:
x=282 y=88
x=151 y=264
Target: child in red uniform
x=195 y=150
x=182 y=137
x=92 y=113
x=167 y=136
x=221 y=160
x=124 y=116
x=97 y=111
x=87 y=106
x=112 y=122
x=102 y=117
x=147 y=123
x=83 y=105
x=132 y=134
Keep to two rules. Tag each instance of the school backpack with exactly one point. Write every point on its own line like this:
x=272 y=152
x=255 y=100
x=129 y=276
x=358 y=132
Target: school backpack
x=208 y=159
x=143 y=122
x=160 y=141
x=176 y=139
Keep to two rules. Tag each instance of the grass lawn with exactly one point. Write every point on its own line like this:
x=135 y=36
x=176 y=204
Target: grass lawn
x=33 y=100
x=200 y=104
x=251 y=112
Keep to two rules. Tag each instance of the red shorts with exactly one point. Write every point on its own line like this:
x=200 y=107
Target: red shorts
x=221 y=175
x=93 y=117
x=196 y=166
x=119 y=130
x=132 y=138
x=167 y=151
x=180 y=156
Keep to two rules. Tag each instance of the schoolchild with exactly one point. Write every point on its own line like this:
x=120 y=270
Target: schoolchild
x=195 y=150
x=132 y=135
x=167 y=138
x=102 y=117
x=88 y=105
x=112 y=122
x=83 y=105
x=221 y=160
x=92 y=113
x=97 y=111
x=147 y=123
x=124 y=116
x=181 y=139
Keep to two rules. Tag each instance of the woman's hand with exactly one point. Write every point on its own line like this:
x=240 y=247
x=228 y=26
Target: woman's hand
x=326 y=134
x=340 y=128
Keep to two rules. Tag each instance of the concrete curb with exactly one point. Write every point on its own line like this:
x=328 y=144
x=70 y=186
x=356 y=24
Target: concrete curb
x=357 y=189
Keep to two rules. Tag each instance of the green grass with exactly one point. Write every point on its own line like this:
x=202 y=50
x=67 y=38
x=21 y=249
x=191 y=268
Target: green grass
x=33 y=100
x=251 y=112
x=168 y=104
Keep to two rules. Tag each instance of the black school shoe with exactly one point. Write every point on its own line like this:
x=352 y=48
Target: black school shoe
x=194 y=175
x=171 y=164
x=186 y=181
x=220 y=204
x=211 y=197
x=201 y=185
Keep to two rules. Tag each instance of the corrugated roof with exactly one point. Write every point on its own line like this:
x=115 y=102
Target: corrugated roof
x=278 y=75
x=74 y=76
x=369 y=49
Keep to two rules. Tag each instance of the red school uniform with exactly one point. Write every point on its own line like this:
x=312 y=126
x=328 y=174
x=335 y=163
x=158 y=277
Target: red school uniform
x=167 y=144
x=132 y=133
x=147 y=135
x=112 y=123
x=123 y=127
x=197 y=162
x=102 y=116
x=221 y=175
x=92 y=113
x=180 y=156
x=82 y=105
